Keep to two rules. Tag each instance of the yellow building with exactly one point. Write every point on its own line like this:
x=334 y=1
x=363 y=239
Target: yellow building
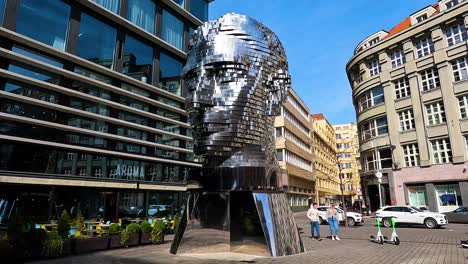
x=347 y=145
x=294 y=150
x=325 y=161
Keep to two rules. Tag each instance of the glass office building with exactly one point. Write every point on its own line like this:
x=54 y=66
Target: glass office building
x=92 y=112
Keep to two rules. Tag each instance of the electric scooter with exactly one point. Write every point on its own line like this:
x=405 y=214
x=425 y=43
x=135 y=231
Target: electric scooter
x=394 y=239
x=379 y=238
x=464 y=243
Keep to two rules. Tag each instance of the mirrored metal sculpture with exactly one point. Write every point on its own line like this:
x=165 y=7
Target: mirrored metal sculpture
x=236 y=77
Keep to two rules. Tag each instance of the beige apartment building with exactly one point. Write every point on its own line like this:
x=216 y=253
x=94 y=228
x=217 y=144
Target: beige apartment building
x=325 y=161
x=347 y=147
x=410 y=92
x=294 y=150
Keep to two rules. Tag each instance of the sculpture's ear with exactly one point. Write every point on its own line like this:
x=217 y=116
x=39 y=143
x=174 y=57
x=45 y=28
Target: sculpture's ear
x=278 y=84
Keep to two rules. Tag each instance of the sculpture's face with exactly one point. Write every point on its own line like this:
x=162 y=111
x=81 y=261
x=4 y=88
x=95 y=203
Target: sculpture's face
x=235 y=77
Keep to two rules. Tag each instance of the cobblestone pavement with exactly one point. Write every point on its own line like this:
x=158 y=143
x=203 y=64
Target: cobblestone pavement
x=418 y=245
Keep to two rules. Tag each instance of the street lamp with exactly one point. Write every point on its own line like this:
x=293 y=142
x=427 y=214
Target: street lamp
x=342 y=194
x=379 y=180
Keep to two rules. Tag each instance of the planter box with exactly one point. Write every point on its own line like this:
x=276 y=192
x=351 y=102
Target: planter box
x=90 y=244
x=114 y=241
x=67 y=247
x=145 y=239
x=133 y=240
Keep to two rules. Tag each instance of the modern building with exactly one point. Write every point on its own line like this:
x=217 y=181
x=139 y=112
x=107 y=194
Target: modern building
x=294 y=150
x=347 y=147
x=410 y=92
x=92 y=113
x=325 y=161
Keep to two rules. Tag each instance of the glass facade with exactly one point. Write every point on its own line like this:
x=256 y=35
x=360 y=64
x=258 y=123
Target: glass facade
x=45 y=21
x=111 y=5
x=169 y=75
x=143 y=14
x=2 y=10
x=93 y=31
x=173 y=30
x=199 y=8
x=137 y=59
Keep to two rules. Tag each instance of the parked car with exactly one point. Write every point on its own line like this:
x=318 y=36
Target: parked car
x=353 y=218
x=410 y=215
x=459 y=215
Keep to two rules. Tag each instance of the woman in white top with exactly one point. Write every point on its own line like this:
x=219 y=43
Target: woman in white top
x=333 y=221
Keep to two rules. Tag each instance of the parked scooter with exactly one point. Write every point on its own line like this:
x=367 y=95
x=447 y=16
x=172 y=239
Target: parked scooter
x=464 y=243
x=379 y=238
x=394 y=239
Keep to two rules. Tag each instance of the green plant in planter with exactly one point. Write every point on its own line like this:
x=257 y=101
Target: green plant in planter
x=114 y=229
x=63 y=227
x=133 y=228
x=124 y=236
x=176 y=221
x=145 y=227
x=79 y=221
x=53 y=245
x=157 y=234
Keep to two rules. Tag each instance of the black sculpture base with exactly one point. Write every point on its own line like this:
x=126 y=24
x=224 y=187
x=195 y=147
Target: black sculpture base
x=256 y=223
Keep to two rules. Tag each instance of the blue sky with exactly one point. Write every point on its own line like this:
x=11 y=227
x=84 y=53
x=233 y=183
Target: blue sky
x=319 y=37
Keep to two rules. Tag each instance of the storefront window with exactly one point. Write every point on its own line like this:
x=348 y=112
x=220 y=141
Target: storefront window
x=137 y=59
x=93 y=31
x=142 y=13
x=448 y=195
x=111 y=5
x=45 y=21
x=199 y=8
x=169 y=75
x=162 y=204
x=172 y=30
x=131 y=204
x=417 y=195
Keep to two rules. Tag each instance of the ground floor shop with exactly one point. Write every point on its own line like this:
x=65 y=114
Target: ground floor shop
x=44 y=204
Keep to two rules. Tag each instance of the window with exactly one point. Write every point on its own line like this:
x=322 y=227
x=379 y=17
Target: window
x=421 y=18
x=398 y=58
x=172 y=30
x=374 y=68
x=463 y=103
x=402 y=88
x=425 y=47
x=199 y=8
x=142 y=13
x=459 y=68
x=456 y=34
x=430 y=79
x=435 y=113
x=377 y=160
x=411 y=155
x=339 y=146
x=98 y=173
x=45 y=21
x=2 y=9
x=347 y=145
x=169 y=74
x=296 y=140
x=67 y=172
x=111 y=5
x=373 y=128
x=441 y=151
x=346 y=135
x=137 y=59
x=417 y=195
x=338 y=136
x=296 y=122
x=406 y=120
x=298 y=107
x=347 y=155
x=298 y=161
x=374 y=41
x=181 y=3
x=70 y=156
x=93 y=31
x=370 y=98
x=451 y=4
x=82 y=172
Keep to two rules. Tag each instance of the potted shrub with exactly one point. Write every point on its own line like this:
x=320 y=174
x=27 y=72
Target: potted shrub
x=63 y=226
x=145 y=228
x=114 y=235
x=86 y=243
x=133 y=231
x=78 y=224
x=53 y=245
x=157 y=234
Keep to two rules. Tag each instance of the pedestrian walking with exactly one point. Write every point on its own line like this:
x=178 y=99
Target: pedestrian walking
x=333 y=221
x=313 y=216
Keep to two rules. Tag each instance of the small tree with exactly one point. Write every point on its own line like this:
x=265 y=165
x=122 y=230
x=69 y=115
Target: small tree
x=63 y=228
x=114 y=229
x=79 y=221
x=157 y=234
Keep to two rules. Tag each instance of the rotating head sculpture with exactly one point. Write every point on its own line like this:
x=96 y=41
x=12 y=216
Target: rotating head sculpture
x=236 y=78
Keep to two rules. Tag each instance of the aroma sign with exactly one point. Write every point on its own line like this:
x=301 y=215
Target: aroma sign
x=130 y=172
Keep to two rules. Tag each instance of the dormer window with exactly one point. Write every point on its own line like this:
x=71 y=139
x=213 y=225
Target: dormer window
x=421 y=18
x=374 y=41
x=451 y=4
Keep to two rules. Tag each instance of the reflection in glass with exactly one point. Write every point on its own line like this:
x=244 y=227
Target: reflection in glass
x=131 y=204
x=163 y=204
x=169 y=74
x=2 y=10
x=45 y=21
x=111 y=5
x=33 y=73
x=199 y=8
x=181 y=3
x=93 y=75
x=142 y=13
x=32 y=92
x=36 y=56
x=172 y=30
x=137 y=59
x=93 y=32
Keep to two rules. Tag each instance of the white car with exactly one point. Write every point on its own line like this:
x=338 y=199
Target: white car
x=410 y=215
x=353 y=218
